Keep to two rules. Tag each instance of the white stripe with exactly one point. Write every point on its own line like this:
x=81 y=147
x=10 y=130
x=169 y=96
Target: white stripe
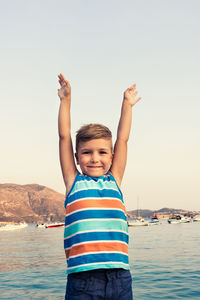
x=92 y=188
x=101 y=263
x=99 y=219
x=94 y=208
x=99 y=252
x=91 y=180
x=95 y=230
x=96 y=242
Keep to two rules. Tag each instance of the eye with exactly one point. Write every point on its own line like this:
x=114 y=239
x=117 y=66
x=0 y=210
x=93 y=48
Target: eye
x=103 y=152
x=86 y=152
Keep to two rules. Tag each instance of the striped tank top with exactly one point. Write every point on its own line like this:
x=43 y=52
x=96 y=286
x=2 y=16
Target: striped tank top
x=96 y=230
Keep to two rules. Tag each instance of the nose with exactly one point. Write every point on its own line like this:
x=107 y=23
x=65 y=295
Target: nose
x=94 y=157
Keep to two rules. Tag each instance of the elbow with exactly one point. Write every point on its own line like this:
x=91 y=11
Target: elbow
x=61 y=136
x=65 y=139
x=64 y=134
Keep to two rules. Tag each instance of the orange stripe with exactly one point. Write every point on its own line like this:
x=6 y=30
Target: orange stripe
x=97 y=247
x=89 y=203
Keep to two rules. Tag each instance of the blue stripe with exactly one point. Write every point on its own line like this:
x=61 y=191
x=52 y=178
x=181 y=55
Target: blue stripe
x=97 y=258
x=94 y=214
x=96 y=236
x=93 y=193
x=90 y=178
x=81 y=185
x=106 y=265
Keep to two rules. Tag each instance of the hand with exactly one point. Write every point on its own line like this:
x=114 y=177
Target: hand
x=65 y=91
x=130 y=95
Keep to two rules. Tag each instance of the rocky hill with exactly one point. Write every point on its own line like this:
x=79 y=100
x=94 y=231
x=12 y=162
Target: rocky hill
x=30 y=203
x=35 y=203
x=146 y=213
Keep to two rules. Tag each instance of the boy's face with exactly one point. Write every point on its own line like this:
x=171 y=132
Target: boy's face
x=95 y=157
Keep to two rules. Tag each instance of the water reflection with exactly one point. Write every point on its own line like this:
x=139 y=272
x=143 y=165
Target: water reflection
x=31 y=248
x=164 y=262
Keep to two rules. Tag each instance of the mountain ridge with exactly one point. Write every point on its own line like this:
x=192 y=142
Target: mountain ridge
x=33 y=203
x=30 y=203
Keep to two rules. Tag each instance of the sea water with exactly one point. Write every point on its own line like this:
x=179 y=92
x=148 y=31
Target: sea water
x=164 y=259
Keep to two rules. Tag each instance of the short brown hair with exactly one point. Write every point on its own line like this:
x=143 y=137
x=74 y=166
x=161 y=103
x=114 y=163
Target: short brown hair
x=92 y=131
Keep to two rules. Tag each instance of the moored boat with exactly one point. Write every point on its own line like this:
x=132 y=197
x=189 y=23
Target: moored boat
x=154 y=219
x=138 y=222
x=174 y=220
x=196 y=218
x=42 y=225
x=154 y=222
x=53 y=225
x=14 y=226
x=185 y=219
x=178 y=219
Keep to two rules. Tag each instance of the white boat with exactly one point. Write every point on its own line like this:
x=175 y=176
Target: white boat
x=50 y=225
x=138 y=222
x=42 y=225
x=53 y=225
x=14 y=226
x=185 y=219
x=175 y=220
x=154 y=222
x=178 y=219
x=196 y=218
x=154 y=219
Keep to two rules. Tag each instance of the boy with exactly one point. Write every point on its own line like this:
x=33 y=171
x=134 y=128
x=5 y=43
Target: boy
x=96 y=231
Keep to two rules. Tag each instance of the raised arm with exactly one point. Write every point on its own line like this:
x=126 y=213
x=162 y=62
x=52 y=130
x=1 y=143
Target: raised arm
x=67 y=162
x=124 y=127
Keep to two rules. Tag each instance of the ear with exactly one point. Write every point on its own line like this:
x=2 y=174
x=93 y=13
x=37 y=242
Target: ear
x=76 y=156
x=112 y=155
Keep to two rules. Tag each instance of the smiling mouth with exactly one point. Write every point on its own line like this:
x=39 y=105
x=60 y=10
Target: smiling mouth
x=94 y=167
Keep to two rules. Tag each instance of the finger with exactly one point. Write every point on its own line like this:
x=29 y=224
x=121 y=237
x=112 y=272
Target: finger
x=133 y=86
x=135 y=93
x=62 y=77
x=61 y=80
x=61 y=83
x=138 y=99
x=132 y=89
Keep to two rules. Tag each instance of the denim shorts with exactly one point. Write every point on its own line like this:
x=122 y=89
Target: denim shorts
x=108 y=284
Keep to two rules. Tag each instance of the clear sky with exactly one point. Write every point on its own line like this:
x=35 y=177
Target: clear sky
x=102 y=47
